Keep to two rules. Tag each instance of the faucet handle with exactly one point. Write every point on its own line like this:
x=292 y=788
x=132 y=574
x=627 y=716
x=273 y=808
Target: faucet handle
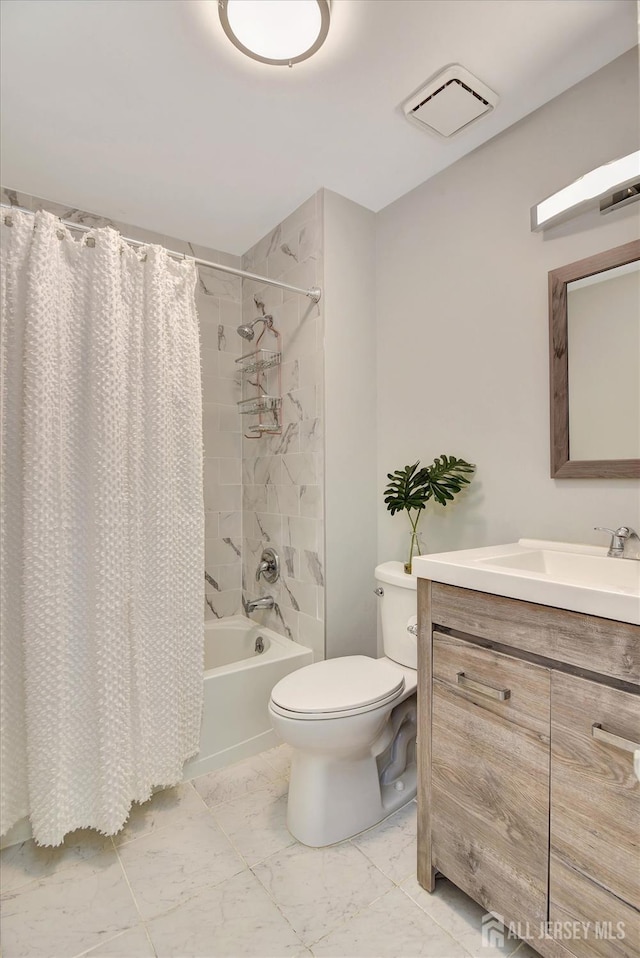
x=269 y=566
x=625 y=532
x=618 y=539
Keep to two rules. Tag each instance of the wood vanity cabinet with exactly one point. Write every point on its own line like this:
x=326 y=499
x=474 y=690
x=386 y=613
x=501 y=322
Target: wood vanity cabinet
x=594 y=869
x=490 y=776
x=527 y=798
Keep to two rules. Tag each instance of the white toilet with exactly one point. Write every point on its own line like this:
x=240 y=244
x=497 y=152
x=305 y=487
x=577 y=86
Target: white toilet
x=351 y=722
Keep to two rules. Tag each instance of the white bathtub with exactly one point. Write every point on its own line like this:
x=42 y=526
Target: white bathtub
x=237 y=686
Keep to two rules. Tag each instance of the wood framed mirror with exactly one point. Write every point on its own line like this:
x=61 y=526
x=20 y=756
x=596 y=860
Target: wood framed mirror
x=594 y=358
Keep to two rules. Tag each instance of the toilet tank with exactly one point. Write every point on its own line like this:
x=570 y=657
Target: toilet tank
x=398 y=605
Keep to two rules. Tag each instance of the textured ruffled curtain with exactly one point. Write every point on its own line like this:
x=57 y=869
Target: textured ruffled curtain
x=102 y=533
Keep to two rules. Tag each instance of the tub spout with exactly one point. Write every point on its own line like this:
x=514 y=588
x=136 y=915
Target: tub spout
x=266 y=602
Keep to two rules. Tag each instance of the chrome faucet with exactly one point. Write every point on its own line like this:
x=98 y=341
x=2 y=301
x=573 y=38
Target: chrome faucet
x=619 y=538
x=266 y=602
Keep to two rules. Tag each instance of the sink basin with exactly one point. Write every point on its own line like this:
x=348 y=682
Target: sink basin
x=573 y=568
x=580 y=578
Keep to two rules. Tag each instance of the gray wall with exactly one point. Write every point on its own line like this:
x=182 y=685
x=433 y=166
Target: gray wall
x=462 y=323
x=350 y=444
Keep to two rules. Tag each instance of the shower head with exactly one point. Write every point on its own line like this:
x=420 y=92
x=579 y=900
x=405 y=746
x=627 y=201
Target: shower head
x=246 y=330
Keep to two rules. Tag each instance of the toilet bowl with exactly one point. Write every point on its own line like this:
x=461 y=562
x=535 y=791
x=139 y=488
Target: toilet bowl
x=351 y=724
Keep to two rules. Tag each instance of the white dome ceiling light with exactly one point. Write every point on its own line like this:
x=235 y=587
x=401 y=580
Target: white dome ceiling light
x=279 y=32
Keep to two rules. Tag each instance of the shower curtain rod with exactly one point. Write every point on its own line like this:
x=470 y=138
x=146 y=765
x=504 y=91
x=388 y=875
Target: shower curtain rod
x=314 y=293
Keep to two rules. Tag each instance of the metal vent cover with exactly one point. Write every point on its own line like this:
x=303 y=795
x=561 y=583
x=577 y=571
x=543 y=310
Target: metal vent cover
x=450 y=101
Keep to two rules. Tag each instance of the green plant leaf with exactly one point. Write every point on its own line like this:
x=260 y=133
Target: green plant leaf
x=411 y=488
x=446 y=477
x=405 y=490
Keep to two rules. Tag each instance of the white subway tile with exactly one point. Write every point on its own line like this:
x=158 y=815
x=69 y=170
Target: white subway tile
x=225 y=551
x=311 y=635
x=211 y=525
x=300 y=532
x=230 y=419
x=311 y=504
x=299 y=469
x=255 y=498
x=284 y=500
x=299 y=596
x=268 y=528
x=230 y=471
x=230 y=523
x=268 y=469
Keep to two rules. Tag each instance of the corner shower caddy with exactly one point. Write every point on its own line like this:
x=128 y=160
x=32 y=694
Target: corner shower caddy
x=264 y=365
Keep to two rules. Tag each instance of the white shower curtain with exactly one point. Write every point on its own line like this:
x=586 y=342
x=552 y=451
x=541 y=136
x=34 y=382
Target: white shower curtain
x=102 y=534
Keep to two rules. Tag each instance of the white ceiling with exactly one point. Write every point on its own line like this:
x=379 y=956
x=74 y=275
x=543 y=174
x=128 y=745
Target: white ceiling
x=143 y=111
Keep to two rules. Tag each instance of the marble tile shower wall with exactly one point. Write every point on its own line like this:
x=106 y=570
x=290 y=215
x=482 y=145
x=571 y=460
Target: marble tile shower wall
x=219 y=302
x=283 y=475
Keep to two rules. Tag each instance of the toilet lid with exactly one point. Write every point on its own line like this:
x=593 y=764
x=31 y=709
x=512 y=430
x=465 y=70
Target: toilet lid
x=338 y=685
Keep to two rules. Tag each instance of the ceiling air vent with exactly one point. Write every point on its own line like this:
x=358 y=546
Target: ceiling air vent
x=450 y=101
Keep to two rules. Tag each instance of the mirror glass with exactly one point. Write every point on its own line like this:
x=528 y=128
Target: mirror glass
x=594 y=363
x=603 y=346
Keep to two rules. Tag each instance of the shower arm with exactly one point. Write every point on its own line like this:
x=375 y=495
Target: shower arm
x=268 y=325
x=245 y=330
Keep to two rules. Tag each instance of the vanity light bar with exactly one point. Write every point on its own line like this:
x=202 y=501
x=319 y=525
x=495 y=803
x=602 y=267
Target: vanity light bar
x=610 y=178
x=613 y=201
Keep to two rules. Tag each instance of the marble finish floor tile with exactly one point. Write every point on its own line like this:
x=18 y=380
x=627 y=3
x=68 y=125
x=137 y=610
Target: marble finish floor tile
x=132 y=944
x=317 y=888
x=70 y=912
x=182 y=866
x=387 y=928
x=226 y=784
x=169 y=866
x=256 y=823
x=26 y=861
x=279 y=758
x=166 y=807
x=459 y=915
x=234 y=919
x=392 y=845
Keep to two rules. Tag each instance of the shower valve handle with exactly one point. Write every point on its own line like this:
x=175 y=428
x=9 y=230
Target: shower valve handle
x=269 y=566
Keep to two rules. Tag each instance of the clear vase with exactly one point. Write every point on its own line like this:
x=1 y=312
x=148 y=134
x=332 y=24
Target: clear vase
x=416 y=548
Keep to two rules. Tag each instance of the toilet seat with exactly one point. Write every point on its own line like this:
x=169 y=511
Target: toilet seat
x=337 y=688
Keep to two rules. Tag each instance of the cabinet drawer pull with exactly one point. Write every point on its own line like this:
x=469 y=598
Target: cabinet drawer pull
x=608 y=738
x=500 y=694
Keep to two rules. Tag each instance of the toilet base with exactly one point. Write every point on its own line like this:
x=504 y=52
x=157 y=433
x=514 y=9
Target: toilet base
x=331 y=800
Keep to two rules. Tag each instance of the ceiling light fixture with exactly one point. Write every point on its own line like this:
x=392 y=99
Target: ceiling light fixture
x=611 y=178
x=279 y=32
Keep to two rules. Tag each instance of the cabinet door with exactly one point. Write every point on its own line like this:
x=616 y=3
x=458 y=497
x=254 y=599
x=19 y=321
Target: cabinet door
x=490 y=777
x=595 y=815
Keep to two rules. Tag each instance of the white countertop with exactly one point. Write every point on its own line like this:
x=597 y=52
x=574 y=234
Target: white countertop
x=565 y=575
